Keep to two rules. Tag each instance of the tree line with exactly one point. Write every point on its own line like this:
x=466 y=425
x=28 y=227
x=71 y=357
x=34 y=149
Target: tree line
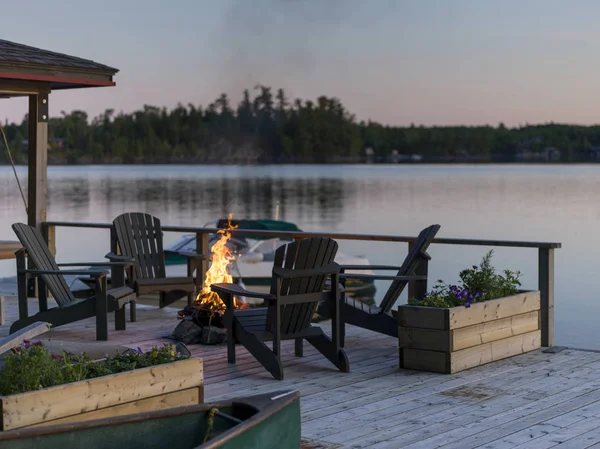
x=268 y=127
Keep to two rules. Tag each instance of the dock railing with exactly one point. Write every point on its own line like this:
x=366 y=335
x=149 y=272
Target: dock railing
x=545 y=254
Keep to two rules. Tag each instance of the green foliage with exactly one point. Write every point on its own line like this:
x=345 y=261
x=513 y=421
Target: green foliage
x=478 y=283
x=32 y=367
x=267 y=126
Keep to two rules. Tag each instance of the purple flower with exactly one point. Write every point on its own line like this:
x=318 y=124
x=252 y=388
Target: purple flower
x=38 y=343
x=470 y=297
x=26 y=344
x=478 y=295
x=468 y=304
x=56 y=357
x=453 y=288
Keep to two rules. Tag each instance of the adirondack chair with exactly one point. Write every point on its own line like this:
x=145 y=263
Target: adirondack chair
x=299 y=274
x=51 y=278
x=139 y=236
x=382 y=318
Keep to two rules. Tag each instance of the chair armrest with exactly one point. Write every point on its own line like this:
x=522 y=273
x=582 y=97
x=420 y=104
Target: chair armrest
x=289 y=273
x=235 y=289
x=96 y=264
x=369 y=267
x=382 y=277
x=116 y=258
x=93 y=273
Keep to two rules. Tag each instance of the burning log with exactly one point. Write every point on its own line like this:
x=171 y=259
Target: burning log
x=202 y=316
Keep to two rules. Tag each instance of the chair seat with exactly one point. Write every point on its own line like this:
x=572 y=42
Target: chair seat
x=169 y=284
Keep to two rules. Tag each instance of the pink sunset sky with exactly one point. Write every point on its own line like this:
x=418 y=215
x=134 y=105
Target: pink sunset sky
x=430 y=62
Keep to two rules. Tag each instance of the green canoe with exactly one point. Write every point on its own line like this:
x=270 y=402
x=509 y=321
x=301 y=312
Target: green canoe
x=270 y=421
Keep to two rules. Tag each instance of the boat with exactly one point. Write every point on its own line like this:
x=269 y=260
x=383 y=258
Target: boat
x=268 y=421
x=254 y=256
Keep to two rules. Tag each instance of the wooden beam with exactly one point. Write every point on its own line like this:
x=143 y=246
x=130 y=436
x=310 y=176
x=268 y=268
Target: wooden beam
x=12 y=86
x=54 y=74
x=37 y=158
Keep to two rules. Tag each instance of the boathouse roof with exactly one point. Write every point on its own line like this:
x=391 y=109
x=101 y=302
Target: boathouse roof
x=20 y=62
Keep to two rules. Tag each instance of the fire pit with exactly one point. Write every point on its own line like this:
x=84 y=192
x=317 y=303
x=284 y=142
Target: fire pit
x=202 y=322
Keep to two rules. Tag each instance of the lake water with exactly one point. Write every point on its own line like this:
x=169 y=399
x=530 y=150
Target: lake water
x=557 y=203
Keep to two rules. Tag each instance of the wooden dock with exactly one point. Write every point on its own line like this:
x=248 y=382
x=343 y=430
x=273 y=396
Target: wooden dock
x=536 y=400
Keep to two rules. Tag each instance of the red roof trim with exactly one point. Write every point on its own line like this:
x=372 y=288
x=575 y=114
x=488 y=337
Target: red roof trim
x=56 y=79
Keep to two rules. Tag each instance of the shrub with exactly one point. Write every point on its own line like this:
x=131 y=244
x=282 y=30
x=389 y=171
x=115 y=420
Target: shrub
x=477 y=284
x=32 y=367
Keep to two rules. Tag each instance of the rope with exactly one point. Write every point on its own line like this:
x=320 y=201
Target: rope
x=210 y=424
x=13 y=167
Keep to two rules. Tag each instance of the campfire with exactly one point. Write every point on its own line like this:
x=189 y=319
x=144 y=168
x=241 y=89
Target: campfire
x=208 y=308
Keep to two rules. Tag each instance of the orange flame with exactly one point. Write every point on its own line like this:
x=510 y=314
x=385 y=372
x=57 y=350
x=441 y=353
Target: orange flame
x=218 y=273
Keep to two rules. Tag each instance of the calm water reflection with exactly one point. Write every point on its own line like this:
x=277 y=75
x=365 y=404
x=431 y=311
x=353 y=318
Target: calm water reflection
x=542 y=203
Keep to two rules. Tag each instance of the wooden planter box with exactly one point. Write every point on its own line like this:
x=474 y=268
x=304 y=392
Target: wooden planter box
x=456 y=339
x=154 y=388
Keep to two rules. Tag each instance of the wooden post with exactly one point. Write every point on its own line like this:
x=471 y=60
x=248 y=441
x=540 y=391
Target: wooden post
x=546 y=287
x=202 y=248
x=49 y=233
x=37 y=150
x=37 y=159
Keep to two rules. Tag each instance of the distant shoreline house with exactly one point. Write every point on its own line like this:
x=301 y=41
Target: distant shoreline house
x=546 y=154
x=593 y=153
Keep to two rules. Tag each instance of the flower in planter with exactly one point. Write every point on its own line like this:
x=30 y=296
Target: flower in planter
x=32 y=367
x=478 y=283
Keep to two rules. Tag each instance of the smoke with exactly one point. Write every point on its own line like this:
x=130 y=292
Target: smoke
x=275 y=42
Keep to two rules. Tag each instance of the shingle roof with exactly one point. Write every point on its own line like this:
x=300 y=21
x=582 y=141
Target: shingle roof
x=13 y=52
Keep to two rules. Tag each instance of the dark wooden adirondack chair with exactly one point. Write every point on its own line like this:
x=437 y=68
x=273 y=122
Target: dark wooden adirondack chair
x=299 y=274
x=139 y=236
x=382 y=318
x=51 y=278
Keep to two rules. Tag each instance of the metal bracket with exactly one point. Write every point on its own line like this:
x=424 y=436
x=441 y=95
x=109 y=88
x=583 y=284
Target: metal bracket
x=42 y=107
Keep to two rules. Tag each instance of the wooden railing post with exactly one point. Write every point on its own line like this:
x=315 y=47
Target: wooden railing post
x=546 y=287
x=202 y=247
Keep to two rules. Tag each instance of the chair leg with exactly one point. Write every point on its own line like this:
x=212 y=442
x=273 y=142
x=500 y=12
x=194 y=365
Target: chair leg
x=261 y=352
x=299 y=347
x=120 y=319
x=101 y=310
x=230 y=346
x=231 y=334
x=132 y=312
x=102 y=326
x=325 y=346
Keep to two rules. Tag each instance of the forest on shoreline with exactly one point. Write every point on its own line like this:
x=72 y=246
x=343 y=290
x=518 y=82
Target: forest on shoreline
x=268 y=127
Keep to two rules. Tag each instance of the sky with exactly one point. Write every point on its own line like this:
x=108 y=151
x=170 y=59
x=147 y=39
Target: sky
x=427 y=62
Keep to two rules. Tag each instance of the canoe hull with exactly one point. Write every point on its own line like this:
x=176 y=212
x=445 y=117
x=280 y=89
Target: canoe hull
x=266 y=421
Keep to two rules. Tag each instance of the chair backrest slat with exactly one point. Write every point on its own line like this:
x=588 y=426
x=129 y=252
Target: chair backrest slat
x=309 y=253
x=409 y=266
x=39 y=253
x=139 y=236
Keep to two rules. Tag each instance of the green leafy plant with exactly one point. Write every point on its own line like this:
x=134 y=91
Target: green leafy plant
x=478 y=283
x=32 y=366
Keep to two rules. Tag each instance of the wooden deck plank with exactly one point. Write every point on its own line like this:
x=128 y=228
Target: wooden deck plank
x=536 y=400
